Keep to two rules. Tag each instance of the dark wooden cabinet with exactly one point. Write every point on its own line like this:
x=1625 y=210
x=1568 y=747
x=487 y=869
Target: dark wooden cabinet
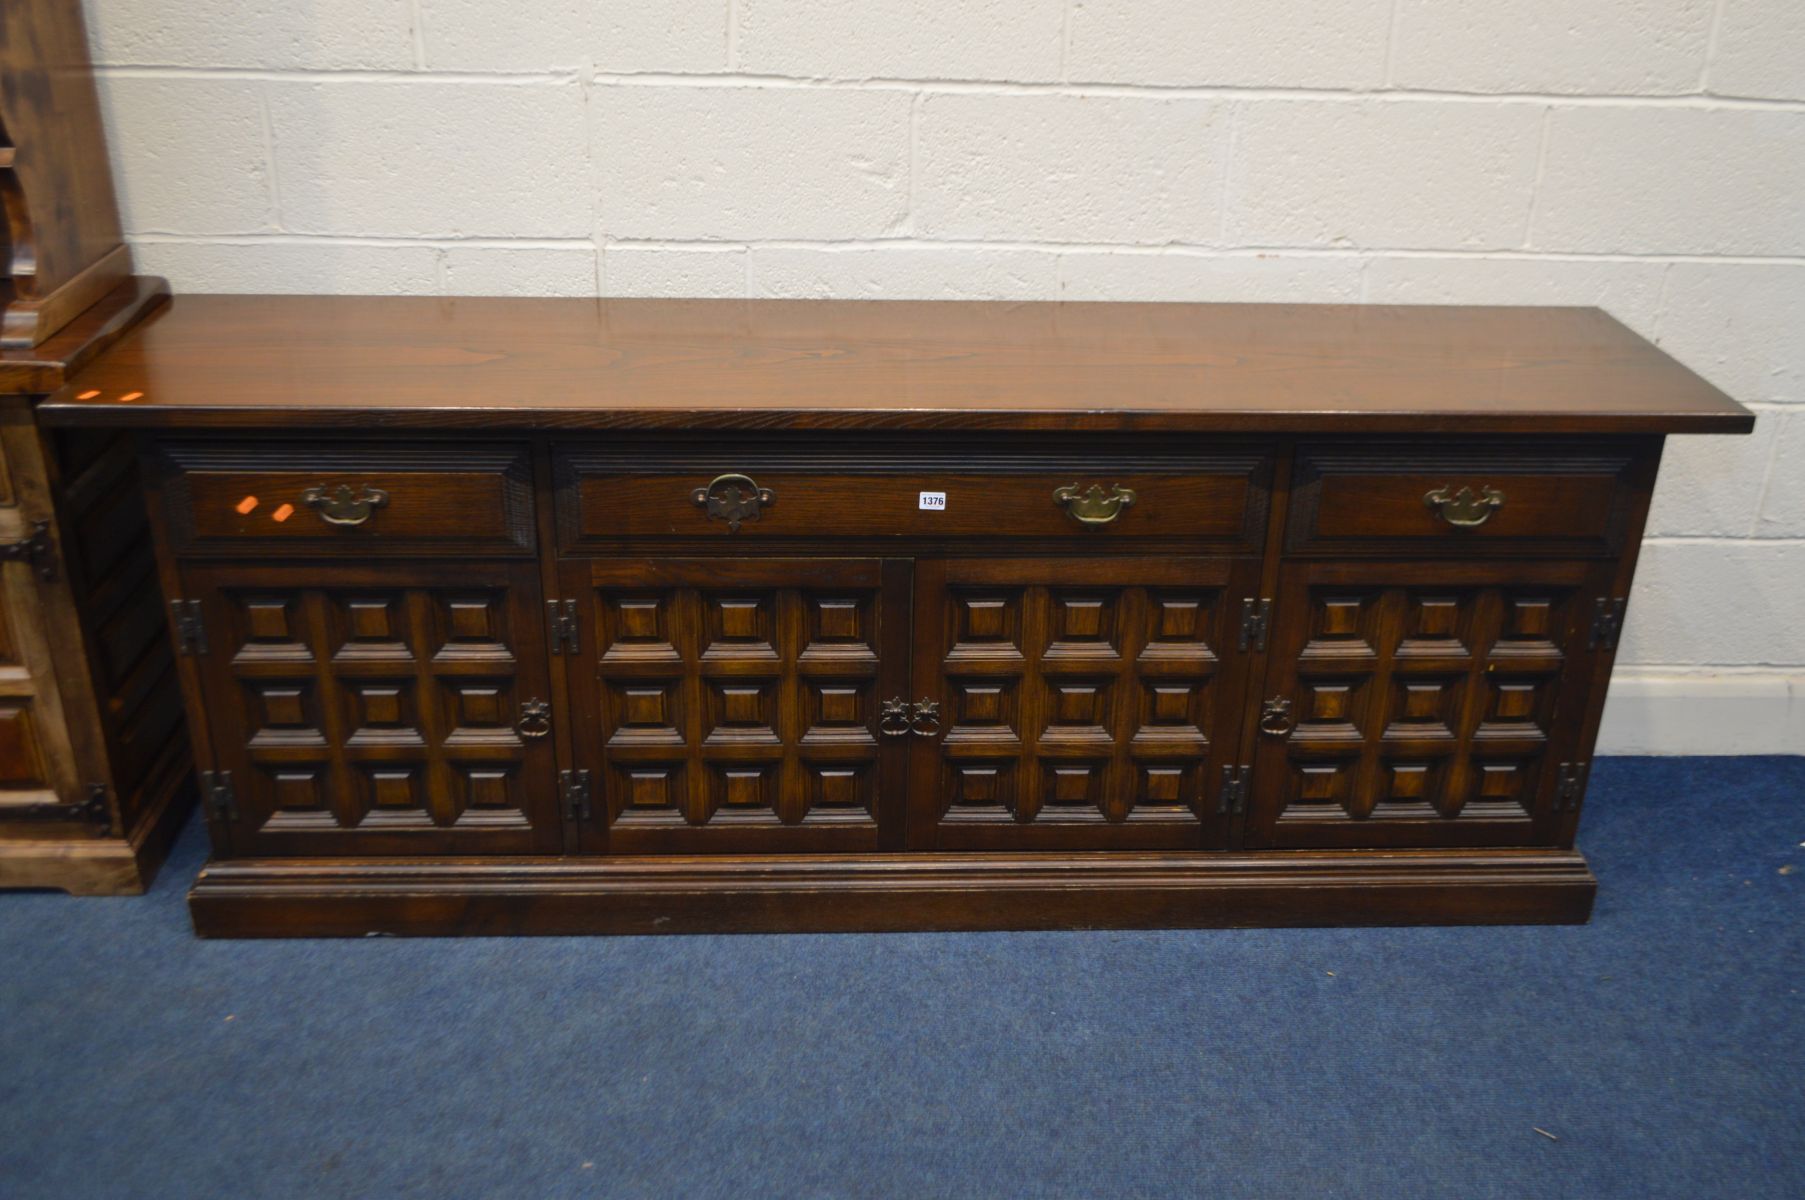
x=858 y=617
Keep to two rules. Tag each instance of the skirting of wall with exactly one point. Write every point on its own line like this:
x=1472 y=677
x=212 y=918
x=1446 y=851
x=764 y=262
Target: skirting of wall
x=1741 y=713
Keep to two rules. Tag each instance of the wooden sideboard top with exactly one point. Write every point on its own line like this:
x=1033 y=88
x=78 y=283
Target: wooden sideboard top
x=426 y=362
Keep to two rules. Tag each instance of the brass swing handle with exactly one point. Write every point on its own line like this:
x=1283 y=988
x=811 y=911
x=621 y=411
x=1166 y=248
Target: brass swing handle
x=342 y=506
x=899 y=718
x=733 y=498
x=1463 y=509
x=1095 y=506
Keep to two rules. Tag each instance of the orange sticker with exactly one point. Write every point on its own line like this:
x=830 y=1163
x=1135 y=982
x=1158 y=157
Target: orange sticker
x=129 y=397
x=283 y=513
x=246 y=505
x=88 y=395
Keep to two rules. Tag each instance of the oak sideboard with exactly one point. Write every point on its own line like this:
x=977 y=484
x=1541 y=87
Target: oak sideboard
x=552 y=616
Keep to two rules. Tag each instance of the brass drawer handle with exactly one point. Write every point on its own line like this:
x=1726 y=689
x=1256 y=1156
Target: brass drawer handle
x=1096 y=506
x=1463 y=509
x=535 y=719
x=733 y=498
x=342 y=506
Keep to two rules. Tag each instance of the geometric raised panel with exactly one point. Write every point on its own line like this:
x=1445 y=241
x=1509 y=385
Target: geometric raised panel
x=1419 y=708
x=382 y=713
x=283 y=706
x=1078 y=704
x=840 y=789
x=298 y=798
x=397 y=738
x=269 y=620
x=1167 y=786
x=837 y=704
x=742 y=790
x=487 y=797
x=742 y=711
x=733 y=704
x=980 y=788
x=271 y=629
x=1079 y=713
x=650 y=790
x=371 y=628
x=987 y=628
x=837 y=620
x=478 y=706
x=394 y=796
x=395 y=787
x=984 y=702
x=1072 y=785
x=282 y=713
x=298 y=789
x=472 y=629
x=739 y=627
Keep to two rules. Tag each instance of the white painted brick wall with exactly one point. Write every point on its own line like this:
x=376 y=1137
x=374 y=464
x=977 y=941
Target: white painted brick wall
x=1062 y=168
x=1229 y=43
x=1582 y=47
x=1646 y=156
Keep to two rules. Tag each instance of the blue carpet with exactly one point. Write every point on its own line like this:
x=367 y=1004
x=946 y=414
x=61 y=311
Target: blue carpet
x=1661 y=1045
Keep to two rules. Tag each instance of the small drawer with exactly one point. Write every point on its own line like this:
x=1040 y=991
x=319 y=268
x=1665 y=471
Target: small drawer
x=606 y=497
x=250 y=498
x=1402 y=499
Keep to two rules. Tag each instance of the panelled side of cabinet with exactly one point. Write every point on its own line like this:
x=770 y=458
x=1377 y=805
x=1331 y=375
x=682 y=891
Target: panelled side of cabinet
x=99 y=758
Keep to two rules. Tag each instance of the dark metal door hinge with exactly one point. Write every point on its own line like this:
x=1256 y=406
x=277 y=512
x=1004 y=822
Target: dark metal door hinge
x=1233 y=797
x=1607 y=623
x=35 y=549
x=190 y=630
x=574 y=785
x=218 y=795
x=1571 y=788
x=563 y=616
x=1256 y=618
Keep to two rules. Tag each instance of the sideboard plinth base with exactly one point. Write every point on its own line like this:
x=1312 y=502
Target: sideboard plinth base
x=887 y=893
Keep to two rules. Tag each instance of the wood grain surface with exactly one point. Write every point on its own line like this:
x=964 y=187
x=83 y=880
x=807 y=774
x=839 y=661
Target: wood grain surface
x=419 y=362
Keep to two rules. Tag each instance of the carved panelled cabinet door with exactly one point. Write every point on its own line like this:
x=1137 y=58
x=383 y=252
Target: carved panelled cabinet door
x=1422 y=704
x=393 y=709
x=37 y=766
x=1075 y=703
x=37 y=760
x=735 y=705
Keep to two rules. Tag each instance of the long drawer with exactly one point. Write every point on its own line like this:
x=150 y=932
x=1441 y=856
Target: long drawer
x=1460 y=498
x=607 y=497
x=347 y=498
